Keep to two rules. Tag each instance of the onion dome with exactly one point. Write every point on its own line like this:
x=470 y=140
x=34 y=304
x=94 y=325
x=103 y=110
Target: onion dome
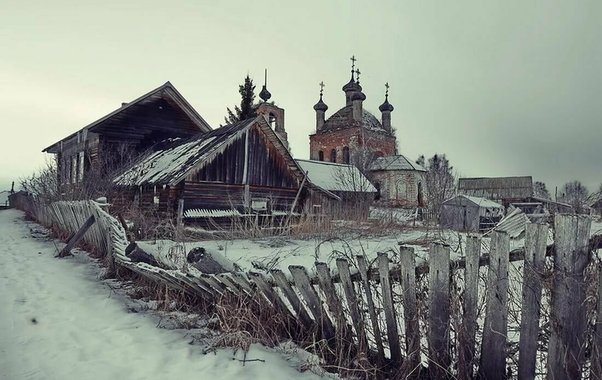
x=265 y=94
x=320 y=105
x=358 y=95
x=386 y=106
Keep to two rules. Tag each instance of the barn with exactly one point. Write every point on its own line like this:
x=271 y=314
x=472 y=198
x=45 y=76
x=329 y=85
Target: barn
x=91 y=155
x=467 y=213
x=237 y=171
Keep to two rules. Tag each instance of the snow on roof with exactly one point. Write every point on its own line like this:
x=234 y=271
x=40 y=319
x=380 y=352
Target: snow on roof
x=398 y=162
x=481 y=202
x=171 y=161
x=336 y=177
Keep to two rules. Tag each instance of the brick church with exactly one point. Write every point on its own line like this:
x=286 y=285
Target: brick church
x=352 y=135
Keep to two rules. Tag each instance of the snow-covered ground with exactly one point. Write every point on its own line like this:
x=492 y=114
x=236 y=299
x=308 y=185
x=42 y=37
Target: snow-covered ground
x=59 y=321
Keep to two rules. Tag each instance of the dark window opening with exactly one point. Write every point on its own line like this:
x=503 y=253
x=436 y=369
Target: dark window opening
x=346 y=155
x=320 y=156
x=333 y=155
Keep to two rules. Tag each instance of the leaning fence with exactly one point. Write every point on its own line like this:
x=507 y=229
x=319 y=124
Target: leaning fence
x=477 y=316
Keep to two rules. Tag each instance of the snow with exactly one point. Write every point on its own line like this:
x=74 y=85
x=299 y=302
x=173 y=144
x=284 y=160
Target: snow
x=59 y=321
x=336 y=177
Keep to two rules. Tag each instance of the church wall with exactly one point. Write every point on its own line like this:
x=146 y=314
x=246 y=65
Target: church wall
x=399 y=188
x=354 y=138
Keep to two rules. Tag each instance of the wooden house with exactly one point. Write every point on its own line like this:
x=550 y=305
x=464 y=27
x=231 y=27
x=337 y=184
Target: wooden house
x=235 y=171
x=102 y=147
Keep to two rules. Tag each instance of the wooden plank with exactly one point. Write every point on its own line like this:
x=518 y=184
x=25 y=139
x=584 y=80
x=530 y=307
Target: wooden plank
x=332 y=299
x=352 y=304
x=363 y=271
x=596 y=362
x=77 y=237
x=535 y=254
x=390 y=318
x=567 y=346
x=439 y=307
x=308 y=292
x=270 y=294
x=493 y=349
x=470 y=300
x=282 y=282
x=411 y=365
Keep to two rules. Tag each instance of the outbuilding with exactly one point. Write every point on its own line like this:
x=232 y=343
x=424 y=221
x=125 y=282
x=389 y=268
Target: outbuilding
x=467 y=213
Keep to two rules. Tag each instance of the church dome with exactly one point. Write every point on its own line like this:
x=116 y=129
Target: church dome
x=320 y=105
x=386 y=106
x=343 y=119
x=352 y=86
x=358 y=95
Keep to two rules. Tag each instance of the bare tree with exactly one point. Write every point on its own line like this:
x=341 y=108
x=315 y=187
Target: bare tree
x=575 y=194
x=440 y=181
x=43 y=184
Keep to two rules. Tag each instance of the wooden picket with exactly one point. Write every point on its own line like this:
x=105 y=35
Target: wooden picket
x=348 y=308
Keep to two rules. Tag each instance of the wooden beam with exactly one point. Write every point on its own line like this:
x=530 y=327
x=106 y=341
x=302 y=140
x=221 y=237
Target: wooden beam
x=77 y=237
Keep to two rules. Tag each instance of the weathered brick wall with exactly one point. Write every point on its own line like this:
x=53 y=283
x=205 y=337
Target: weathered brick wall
x=382 y=144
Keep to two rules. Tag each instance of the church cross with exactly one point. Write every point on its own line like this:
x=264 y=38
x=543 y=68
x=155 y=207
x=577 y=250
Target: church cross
x=357 y=73
x=321 y=87
x=387 y=91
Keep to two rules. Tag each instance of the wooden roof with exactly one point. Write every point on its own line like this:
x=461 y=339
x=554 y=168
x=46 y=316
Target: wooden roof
x=497 y=187
x=162 y=110
x=172 y=161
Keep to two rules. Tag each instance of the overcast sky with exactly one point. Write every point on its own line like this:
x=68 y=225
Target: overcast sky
x=503 y=88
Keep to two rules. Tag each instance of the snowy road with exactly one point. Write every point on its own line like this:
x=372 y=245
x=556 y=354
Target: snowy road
x=57 y=321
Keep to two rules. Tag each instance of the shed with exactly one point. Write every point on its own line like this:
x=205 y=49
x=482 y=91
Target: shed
x=4 y=199
x=467 y=213
x=346 y=191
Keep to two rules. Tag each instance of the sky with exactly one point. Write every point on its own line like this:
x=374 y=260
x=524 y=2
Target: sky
x=501 y=87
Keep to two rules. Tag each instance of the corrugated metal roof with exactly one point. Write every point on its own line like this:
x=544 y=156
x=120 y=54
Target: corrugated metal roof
x=513 y=224
x=336 y=177
x=398 y=162
x=497 y=187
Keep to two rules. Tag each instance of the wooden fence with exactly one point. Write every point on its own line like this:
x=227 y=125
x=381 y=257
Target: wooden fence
x=418 y=320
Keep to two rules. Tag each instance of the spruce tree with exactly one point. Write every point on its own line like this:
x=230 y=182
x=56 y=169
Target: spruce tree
x=247 y=108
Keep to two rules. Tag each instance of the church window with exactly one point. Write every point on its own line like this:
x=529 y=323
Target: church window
x=346 y=155
x=320 y=156
x=333 y=155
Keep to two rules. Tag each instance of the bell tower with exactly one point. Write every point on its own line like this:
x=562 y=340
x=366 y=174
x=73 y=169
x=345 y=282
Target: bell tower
x=272 y=113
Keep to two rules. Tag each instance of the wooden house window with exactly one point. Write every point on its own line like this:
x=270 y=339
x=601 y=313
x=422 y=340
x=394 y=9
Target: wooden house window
x=346 y=155
x=80 y=168
x=73 y=169
x=333 y=155
x=320 y=156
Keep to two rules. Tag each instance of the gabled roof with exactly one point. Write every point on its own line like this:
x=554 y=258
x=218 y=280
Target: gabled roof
x=166 y=92
x=170 y=162
x=398 y=162
x=481 y=202
x=497 y=187
x=336 y=177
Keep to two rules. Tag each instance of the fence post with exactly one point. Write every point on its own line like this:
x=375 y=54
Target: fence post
x=411 y=365
x=495 y=330
x=596 y=371
x=535 y=254
x=363 y=269
x=438 y=332
x=566 y=350
x=352 y=304
x=390 y=318
x=470 y=303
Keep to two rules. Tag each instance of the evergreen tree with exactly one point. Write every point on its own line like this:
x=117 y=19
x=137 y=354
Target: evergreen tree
x=247 y=107
x=540 y=190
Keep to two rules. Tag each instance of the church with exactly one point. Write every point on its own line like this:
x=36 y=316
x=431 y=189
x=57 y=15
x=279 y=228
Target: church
x=353 y=135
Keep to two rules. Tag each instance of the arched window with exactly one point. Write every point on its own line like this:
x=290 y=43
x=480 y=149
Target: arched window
x=272 y=120
x=420 y=196
x=333 y=155
x=320 y=156
x=346 y=155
